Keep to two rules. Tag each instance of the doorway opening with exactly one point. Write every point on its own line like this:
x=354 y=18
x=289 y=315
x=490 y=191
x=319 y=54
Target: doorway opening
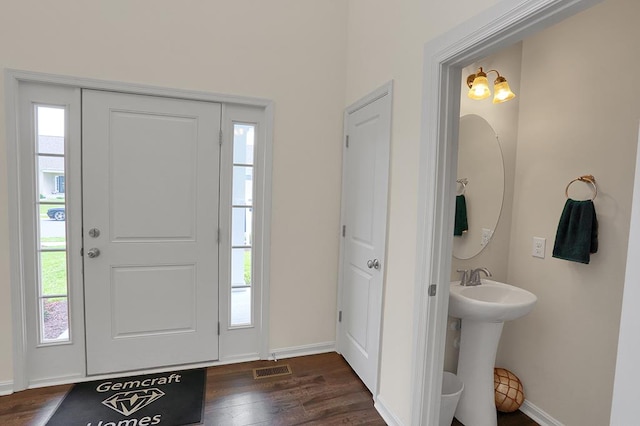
x=444 y=57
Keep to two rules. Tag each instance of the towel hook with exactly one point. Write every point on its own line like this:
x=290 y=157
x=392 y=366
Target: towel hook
x=463 y=182
x=586 y=179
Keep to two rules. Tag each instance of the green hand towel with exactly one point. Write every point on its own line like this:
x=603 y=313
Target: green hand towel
x=577 y=234
x=460 y=224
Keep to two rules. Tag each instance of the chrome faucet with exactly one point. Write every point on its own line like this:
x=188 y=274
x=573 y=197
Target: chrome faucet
x=471 y=277
x=474 y=275
x=464 y=278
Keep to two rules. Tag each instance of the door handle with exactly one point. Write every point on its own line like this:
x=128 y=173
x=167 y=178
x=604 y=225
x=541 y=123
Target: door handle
x=93 y=252
x=375 y=264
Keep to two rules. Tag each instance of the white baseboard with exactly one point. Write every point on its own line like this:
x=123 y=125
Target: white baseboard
x=538 y=415
x=6 y=388
x=387 y=415
x=313 y=349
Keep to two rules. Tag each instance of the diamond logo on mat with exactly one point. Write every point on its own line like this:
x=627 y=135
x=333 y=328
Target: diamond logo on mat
x=129 y=402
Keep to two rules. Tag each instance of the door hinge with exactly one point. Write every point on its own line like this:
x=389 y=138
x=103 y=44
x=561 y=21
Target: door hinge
x=347 y=141
x=220 y=137
x=218 y=328
x=340 y=316
x=344 y=230
x=218 y=236
x=432 y=290
x=81 y=251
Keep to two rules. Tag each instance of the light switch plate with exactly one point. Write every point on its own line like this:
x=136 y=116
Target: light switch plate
x=486 y=236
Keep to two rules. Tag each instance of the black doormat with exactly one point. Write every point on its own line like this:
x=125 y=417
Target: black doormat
x=164 y=399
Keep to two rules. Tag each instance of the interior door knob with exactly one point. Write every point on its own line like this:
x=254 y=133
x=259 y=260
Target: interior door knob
x=375 y=264
x=93 y=252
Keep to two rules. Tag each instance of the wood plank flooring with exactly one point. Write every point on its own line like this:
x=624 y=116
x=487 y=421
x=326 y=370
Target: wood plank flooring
x=322 y=390
x=517 y=418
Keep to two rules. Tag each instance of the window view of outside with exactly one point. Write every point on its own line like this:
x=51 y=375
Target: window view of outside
x=241 y=224
x=52 y=247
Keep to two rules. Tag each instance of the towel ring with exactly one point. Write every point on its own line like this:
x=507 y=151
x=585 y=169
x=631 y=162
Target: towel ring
x=586 y=179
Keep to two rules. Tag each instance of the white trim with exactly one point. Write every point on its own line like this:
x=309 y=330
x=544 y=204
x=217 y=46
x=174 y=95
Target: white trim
x=240 y=341
x=387 y=415
x=12 y=79
x=65 y=380
x=6 y=388
x=624 y=401
x=380 y=92
x=134 y=88
x=267 y=175
x=15 y=236
x=538 y=415
x=303 y=350
x=498 y=26
x=313 y=349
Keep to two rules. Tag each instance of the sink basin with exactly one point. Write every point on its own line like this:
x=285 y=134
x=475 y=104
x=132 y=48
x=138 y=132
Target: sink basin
x=491 y=301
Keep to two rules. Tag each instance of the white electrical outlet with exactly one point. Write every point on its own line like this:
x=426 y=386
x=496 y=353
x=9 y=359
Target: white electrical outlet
x=456 y=343
x=455 y=324
x=539 y=245
x=486 y=236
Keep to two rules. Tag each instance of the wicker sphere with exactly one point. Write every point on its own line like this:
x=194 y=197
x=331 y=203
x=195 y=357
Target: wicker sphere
x=509 y=394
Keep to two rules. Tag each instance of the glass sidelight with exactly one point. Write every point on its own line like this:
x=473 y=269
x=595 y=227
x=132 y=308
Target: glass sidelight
x=242 y=225
x=52 y=281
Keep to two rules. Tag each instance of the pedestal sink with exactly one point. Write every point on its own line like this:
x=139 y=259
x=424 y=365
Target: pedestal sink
x=483 y=310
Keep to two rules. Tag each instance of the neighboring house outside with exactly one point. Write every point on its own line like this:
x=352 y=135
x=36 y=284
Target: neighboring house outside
x=51 y=167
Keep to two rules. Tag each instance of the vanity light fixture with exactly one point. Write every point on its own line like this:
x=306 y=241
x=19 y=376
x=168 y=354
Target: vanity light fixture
x=479 y=87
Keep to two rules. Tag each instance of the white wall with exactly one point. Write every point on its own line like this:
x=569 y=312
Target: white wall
x=573 y=122
x=290 y=51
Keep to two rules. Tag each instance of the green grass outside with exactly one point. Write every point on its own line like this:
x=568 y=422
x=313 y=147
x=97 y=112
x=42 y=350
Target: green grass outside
x=52 y=239
x=247 y=267
x=53 y=272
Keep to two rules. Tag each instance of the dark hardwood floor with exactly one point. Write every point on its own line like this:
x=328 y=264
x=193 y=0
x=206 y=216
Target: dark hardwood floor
x=322 y=390
x=517 y=418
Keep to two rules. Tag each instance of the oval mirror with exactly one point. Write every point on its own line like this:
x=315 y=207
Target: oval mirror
x=481 y=167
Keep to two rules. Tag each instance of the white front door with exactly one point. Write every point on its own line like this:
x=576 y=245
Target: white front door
x=365 y=189
x=150 y=226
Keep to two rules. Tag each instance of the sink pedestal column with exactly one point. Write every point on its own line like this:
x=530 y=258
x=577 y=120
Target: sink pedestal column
x=478 y=347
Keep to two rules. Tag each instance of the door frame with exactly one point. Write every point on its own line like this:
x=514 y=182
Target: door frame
x=12 y=80
x=382 y=91
x=444 y=57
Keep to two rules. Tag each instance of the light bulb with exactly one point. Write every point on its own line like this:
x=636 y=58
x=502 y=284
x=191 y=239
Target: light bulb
x=502 y=91
x=480 y=87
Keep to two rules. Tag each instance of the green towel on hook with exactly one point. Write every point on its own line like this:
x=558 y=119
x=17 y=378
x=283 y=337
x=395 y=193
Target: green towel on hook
x=577 y=235
x=460 y=224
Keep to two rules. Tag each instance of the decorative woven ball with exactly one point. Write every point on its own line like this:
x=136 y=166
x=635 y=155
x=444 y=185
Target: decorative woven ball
x=509 y=394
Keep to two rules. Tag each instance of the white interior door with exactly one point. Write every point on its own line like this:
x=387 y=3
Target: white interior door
x=150 y=207
x=365 y=189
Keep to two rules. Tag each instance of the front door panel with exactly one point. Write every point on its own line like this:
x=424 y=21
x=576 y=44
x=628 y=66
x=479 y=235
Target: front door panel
x=150 y=204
